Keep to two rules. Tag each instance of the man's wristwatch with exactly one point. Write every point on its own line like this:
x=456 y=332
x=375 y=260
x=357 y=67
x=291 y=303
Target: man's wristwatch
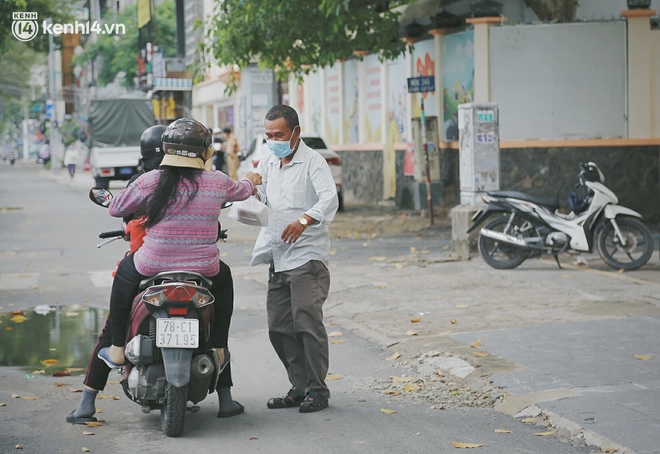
x=303 y=221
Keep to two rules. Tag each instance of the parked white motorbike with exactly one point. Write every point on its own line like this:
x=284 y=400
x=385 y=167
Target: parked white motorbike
x=526 y=226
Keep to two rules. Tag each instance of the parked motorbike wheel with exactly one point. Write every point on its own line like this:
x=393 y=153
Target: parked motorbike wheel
x=636 y=250
x=501 y=255
x=173 y=411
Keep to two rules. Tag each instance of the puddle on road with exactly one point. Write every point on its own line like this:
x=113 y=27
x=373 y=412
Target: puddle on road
x=53 y=341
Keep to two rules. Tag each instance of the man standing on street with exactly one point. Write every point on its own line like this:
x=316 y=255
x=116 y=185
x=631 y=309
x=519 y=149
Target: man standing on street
x=301 y=196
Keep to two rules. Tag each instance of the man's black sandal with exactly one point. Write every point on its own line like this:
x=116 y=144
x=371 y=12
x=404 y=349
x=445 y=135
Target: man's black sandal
x=288 y=401
x=313 y=402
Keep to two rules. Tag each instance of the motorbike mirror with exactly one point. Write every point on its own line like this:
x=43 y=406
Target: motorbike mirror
x=100 y=196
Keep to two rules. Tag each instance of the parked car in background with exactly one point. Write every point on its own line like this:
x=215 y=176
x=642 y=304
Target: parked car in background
x=259 y=148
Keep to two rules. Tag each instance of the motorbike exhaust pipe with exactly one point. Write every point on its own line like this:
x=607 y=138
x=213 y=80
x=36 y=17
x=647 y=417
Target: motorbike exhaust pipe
x=504 y=238
x=202 y=366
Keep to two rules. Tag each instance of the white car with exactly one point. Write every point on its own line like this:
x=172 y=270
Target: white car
x=259 y=148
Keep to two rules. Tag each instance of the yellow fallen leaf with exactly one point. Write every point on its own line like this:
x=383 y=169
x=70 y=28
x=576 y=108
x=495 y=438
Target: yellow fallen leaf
x=15 y=396
x=18 y=318
x=86 y=432
x=114 y=382
x=396 y=379
x=416 y=320
x=400 y=265
x=387 y=411
x=610 y=450
x=413 y=249
x=105 y=396
x=411 y=387
x=85 y=449
x=392 y=392
x=396 y=355
x=338 y=341
x=546 y=434
x=29 y=397
x=72 y=314
x=94 y=423
x=75 y=390
x=49 y=362
x=335 y=334
x=644 y=357
x=19 y=446
x=377 y=259
x=3 y=404
x=334 y=377
x=502 y=431
x=411 y=333
x=480 y=354
x=38 y=372
x=528 y=420
x=453 y=322
x=466 y=445
x=382 y=287
x=61 y=384
x=476 y=344
x=461 y=306
x=10 y=328
x=75 y=369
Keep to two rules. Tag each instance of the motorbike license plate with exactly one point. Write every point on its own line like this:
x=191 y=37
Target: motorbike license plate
x=177 y=333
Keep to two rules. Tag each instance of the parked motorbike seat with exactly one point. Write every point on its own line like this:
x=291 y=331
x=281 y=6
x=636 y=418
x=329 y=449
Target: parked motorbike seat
x=183 y=276
x=551 y=203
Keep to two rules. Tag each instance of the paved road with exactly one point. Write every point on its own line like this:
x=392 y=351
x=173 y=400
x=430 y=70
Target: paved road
x=558 y=344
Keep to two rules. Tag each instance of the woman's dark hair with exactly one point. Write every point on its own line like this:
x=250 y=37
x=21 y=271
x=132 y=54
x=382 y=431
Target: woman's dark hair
x=168 y=194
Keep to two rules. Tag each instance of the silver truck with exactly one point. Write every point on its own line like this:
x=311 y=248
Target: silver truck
x=115 y=127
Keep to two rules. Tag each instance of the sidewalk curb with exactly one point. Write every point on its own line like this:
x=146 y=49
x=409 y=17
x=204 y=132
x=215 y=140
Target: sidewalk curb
x=572 y=429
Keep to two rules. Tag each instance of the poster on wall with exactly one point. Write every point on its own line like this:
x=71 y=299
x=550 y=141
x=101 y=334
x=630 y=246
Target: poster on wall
x=424 y=65
x=332 y=93
x=373 y=92
x=397 y=95
x=351 y=98
x=315 y=93
x=458 y=79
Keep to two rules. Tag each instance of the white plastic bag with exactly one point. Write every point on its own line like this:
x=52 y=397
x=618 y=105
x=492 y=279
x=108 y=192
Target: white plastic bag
x=250 y=211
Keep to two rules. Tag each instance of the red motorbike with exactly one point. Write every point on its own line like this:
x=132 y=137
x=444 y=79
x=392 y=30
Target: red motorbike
x=168 y=351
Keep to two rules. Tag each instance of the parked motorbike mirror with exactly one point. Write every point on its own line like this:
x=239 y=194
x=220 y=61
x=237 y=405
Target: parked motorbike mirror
x=100 y=196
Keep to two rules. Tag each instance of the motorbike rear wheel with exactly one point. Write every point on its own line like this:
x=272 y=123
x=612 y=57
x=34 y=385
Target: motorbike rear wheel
x=173 y=411
x=501 y=255
x=636 y=249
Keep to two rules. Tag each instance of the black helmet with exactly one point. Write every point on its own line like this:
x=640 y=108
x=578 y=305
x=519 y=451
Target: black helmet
x=150 y=143
x=186 y=137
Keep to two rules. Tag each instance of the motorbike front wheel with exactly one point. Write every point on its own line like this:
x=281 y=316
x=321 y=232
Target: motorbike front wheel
x=501 y=255
x=173 y=411
x=630 y=253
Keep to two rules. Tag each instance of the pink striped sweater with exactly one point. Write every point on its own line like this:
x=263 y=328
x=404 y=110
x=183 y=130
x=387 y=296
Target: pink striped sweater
x=185 y=239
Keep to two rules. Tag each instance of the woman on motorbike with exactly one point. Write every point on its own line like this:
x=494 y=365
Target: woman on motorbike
x=181 y=202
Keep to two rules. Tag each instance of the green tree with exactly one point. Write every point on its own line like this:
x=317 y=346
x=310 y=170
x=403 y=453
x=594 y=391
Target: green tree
x=549 y=10
x=17 y=61
x=59 y=10
x=119 y=52
x=293 y=37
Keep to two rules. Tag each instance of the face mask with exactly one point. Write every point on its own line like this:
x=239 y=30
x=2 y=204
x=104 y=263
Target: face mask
x=281 y=149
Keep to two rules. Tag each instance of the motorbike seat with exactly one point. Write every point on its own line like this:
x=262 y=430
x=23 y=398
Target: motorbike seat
x=176 y=276
x=551 y=203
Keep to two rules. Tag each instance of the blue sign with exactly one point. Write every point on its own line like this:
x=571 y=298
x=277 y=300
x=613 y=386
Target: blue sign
x=421 y=84
x=50 y=109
